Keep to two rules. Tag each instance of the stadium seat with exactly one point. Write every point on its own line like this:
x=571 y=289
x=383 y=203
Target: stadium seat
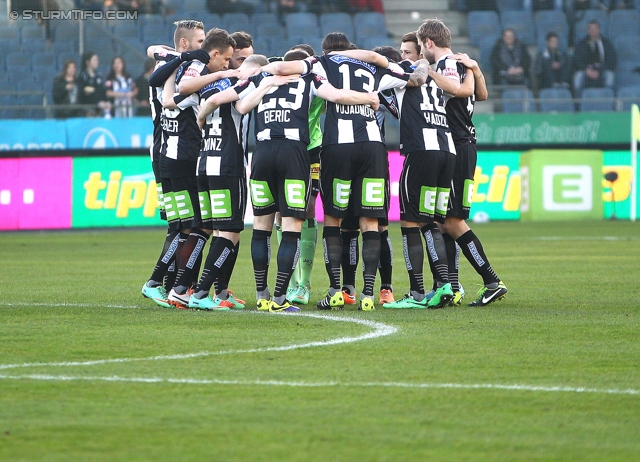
x=240 y=27
x=174 y=6
x=369 y=43
x=369 y=25
x=302 y=25
x=556 y=100
x=628 y=96
x=264 y=18
x=68 y=31
x=482 y=24
x=9 y=32
x=210 y=20
x=623 y=22
x=269 y=30
x=584 y=17
x=522 y=23
x=336 y=22
x=64 y=45
x=235 y=18
x=127 y=30
x=152 y=19
x=597 y=99
x=550 y=20
x=43 y=59
x=194 y=5
x=66 y=55
x=32 y=33
x=628 y=48
x=509 y=5
x=627 y=74
x=18 y=60
x=262 y=46
x=518 y=100
x=485 y=45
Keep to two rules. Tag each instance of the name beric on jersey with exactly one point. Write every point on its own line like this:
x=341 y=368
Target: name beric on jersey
x=361 y=109
x=436 y=119
x=277 y=115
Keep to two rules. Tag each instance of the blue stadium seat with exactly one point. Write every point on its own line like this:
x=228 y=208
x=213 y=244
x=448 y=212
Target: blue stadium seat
x=264 y=18
x=236 y=18
x=64 y=56
x=556 y=100
x=35 y=32
x=30 y=85
x=623 y=22
x=629 y=95
x=552 y=20
x=9 y=32
x=509 y=5
x=210 y=20
x=522 y=23
x=369 y=43
x=18 y=60
x=628 y=48
x=486 y=44
x=154 y=33
x=43 y=59
x=64 y=45
x=240 y=27
x=336 y=22
x=597 y=99
x=302 y=25
x=518 y=100
x=127 y=30
x=174 y=6
x=269 y=30
x=482 y=24
x=369 y=24
x=627 y=74
x=262 y=46
x=151 y=19
x=195 y=5
x=584 y=17
x=68 y=31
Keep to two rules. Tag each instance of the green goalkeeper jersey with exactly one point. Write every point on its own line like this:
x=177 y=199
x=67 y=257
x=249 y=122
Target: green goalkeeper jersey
x=315 y=134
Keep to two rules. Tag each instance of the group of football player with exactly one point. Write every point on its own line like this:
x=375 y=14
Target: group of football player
x=204 y=92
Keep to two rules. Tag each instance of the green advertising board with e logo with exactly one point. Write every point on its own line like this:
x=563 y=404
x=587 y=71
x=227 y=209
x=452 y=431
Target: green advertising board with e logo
x=561 y=185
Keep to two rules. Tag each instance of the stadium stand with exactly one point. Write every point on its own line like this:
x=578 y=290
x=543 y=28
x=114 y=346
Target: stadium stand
x=269 y=30
x=584 y=17
x=482 y=24
x=556 y=100
x=332 y=22
x=597 y=99
x=369 y=24
x=302 y=25
x=509 y=5
x=623 y=22
x=551 y=20
x=628 y=96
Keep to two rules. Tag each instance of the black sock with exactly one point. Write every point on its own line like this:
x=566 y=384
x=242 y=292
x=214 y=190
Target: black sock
x=437 y=253
x=414 y=258
x=472 y=249
x=167 y=256
x=288 y=255
x=191 y=259
x=370 y=259
x=385 y=265
x=452 y=261
x=261 y=255
x=232 y=264
x=182 y=238
x=350 y=257
x=332 y=254
x=215 y=266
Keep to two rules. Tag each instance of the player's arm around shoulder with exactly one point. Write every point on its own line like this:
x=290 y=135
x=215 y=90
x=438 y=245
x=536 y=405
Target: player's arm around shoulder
x=328 y=92
x=252 y=98
x=168 y=92
x=285 y=68
x=448 y=79
x=188 y=86
x=480 y=84
x=366 y=56
x=419 y=75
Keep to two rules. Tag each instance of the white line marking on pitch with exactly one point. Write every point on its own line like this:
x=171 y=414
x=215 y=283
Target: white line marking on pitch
x=379 y=330
x=278 y=383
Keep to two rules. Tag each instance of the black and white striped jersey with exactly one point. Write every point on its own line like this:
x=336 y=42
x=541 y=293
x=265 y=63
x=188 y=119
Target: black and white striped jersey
x=155 y=102
x=423 y=116
x=180 y=130
x=460 y=111
x=283 y=112
x=224 y=136
x=354 y=123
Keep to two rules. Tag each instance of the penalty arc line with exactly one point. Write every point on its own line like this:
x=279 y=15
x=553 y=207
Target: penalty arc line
x=278 y=383
x=379 y=330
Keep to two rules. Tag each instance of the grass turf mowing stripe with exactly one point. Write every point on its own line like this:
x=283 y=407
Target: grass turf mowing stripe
x=277 y=383
x=379 y=330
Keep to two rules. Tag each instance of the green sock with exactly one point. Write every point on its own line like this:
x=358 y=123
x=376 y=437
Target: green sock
x=308 y=242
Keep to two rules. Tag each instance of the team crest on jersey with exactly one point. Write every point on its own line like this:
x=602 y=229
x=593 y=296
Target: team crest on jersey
x=338 y=59
x=221 y=85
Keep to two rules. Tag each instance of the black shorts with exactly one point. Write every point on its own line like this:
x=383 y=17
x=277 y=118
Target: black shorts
x=314 y=158
x=352 y=222
x=355 y=172
x=223 y=201
x=462 y=185
x=155 y=166
x=280 y=178
x=181 y=202
x=425 y=184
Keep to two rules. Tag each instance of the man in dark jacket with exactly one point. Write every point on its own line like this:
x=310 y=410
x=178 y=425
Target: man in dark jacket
x=552 y=65
x=595 y=61
x=511 y=61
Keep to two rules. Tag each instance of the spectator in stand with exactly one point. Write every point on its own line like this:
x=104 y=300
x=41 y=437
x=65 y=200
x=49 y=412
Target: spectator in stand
x=93 y=91
x=511 y=61
x=120 y=89
x=595 y=61
x=367 y=5
x=65 y=90
x=229 y=6
x=141 y=100
x=552 y=65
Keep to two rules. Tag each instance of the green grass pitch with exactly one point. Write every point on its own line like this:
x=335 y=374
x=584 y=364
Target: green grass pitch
x=89 y=370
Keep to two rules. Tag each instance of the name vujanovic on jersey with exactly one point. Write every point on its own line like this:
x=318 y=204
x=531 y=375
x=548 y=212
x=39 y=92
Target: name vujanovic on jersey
x=436 y=119
x=361 y=109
